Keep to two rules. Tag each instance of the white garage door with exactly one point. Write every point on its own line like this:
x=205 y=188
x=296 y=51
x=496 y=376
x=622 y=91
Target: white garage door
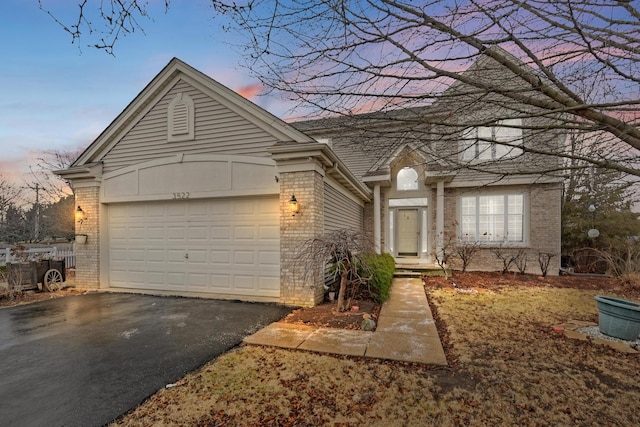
x=216 y=246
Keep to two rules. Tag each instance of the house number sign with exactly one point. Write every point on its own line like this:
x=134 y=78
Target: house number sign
x=181 y=196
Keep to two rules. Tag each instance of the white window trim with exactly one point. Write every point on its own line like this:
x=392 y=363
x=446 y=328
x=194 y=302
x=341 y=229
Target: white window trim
x=526 y=212
x=471 y=142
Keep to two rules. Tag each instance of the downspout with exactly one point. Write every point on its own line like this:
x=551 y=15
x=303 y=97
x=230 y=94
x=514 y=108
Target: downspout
x=439 y=217
x=376 y=217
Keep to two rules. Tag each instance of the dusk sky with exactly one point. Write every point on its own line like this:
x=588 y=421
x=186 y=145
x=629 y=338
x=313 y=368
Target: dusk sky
x=59 y=95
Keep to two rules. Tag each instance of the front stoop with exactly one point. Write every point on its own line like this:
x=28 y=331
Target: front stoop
x=417 y=270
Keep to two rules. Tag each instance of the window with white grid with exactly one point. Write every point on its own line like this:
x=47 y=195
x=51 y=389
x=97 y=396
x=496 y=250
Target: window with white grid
x=492 y=218
x=500 y=141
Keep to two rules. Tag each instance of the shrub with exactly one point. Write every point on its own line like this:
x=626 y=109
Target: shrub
x=382 y=268
x=544 y=259
x=520 y=260
x=505 y=258
x=622 y=257
x=466 y=251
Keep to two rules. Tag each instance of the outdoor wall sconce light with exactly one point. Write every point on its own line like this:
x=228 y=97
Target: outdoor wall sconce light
x=80 y=215
x=294 y=206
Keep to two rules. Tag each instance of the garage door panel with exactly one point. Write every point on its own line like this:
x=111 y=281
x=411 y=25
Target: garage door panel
x=198 y=234
x=118 y=255
x=118 y=233
x=156 y=277
x=155 y=211
x=198 y=257
x=222 y=208
x=222 y=233
x=136 y=233
x=243 y=281
x=175 y=256
x=243 y=257
x=243 y=232
x=137 y=277
x=176 y=210
x=244 y=207
x=232 y=246
x=269 y=284
x=220 y=282
x=175 y=232
x=269 y=232
x=197 y=280
x=175 y=278
x=220 y=257
x=117 y=212
x=155 y=233
x=156 y=256
x=269 y=258
x=198 y=210
x=136 y=211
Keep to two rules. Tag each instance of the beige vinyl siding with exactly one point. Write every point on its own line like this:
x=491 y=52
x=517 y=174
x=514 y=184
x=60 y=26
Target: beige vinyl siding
x=218 y=130
x=340 y=211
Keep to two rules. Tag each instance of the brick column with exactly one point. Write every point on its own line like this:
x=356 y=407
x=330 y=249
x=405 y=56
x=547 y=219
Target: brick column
x=296 y=287
x=88 y=254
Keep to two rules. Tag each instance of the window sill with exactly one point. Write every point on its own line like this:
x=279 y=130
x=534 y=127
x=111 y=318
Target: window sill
x=499 y=245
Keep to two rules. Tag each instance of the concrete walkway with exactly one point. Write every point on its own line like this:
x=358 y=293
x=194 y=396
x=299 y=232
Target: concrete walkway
x=406 y=331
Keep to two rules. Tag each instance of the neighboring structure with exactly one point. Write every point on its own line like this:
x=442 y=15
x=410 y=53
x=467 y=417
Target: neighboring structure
x=188 y=191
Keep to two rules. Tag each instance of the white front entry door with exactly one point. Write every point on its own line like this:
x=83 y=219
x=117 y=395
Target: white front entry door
x=408 y=232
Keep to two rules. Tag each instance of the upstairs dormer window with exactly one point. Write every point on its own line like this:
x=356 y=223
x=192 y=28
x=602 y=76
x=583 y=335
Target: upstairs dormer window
x=180 y=118
x=499 y=141
x=407 y=179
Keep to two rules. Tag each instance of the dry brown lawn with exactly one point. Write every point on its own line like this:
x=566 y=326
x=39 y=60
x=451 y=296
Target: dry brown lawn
x=507 y=367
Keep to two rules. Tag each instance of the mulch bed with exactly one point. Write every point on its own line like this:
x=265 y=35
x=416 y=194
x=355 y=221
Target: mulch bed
x=326 y=315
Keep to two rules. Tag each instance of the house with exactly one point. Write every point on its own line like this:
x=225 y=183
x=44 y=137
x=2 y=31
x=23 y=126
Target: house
x=194 y=190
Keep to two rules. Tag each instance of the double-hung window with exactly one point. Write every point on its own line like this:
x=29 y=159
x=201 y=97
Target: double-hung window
x=492 y=218
x=500 y=141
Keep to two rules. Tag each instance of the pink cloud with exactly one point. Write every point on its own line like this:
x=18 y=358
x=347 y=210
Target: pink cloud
x=250 y=92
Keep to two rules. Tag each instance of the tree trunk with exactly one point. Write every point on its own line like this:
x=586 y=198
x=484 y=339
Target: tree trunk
x=343 y=288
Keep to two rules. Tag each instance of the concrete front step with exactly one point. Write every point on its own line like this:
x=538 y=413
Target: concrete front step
x=417 y=272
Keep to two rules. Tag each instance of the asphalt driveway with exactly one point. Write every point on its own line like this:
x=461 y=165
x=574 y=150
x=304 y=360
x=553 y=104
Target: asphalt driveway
x=85 y=360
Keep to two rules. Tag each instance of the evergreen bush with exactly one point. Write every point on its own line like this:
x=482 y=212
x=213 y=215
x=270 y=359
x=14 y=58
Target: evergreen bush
x=381 y=269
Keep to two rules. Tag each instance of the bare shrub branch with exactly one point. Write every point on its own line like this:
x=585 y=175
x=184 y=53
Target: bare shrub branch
x=544 y=259
x=466 y=251
x=338 y=251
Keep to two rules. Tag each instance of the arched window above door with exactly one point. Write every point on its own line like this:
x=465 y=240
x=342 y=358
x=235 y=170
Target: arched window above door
x=407 y=179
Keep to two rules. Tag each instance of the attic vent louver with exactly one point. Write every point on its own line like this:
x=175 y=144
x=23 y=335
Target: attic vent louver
x=180 y=118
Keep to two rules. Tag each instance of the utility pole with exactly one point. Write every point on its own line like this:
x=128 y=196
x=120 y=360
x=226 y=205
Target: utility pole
x=36 y=231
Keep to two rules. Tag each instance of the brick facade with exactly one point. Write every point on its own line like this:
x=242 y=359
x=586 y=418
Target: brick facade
x=297 y=286
x=544 y=202
x=88 y=254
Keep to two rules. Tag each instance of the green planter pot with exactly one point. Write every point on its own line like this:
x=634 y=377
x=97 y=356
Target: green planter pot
x=618 y=318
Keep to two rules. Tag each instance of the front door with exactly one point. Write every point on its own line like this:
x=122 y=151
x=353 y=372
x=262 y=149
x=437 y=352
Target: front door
x=408 y=232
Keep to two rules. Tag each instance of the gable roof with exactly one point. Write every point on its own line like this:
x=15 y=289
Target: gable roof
x=369 y=143
x=178 y=70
